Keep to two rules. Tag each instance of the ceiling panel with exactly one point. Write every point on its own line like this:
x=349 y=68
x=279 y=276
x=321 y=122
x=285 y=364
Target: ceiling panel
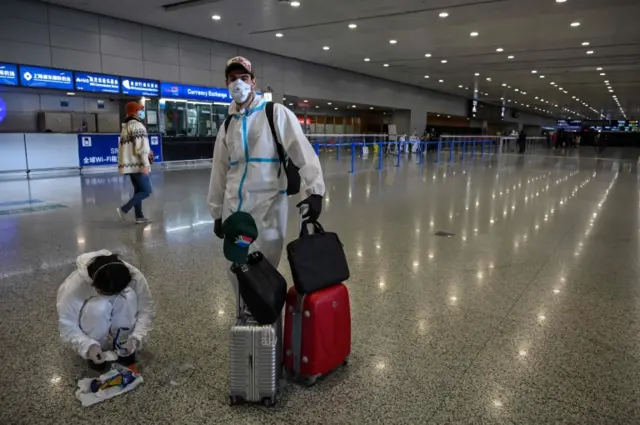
x=537 y=33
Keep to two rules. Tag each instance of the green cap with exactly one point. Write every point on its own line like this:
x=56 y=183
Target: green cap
x=240 y=232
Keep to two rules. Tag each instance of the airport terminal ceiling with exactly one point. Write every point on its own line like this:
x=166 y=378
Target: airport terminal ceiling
x=563 y=58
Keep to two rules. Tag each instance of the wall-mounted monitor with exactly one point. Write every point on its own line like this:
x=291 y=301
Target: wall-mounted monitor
x=139 y=87
x=46 y=78
x=97 y=83
x=8 y=74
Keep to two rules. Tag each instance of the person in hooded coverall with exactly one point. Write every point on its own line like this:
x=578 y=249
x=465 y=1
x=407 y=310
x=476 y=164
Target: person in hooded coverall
x=244 y=172
x=104 y=304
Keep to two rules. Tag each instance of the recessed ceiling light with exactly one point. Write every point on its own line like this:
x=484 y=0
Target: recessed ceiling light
x=477 y=74
x=504 y=84
x=328 y=103
x=606 y=81
x=426 y=76
x=536 y=97
x=335 y=109
x=367 y=59
x=326 y=48
x=353 y=26
x=443 y=61
x=474 y=34
x=305 y=101
x=216 y=17
x=353 y=106
x=393 y=41
x=575 y=24
x=510 y=57
x=542 y=76
x=598 y=69
x=443 y=14
x=371 y=107
x=317 y=106
x=488 y=78
x=295 y=4
x=534 y=72
x=386 y=65
x=499 y=50
x=517 y=89
x=590 y=52
x=603 y=74
x=585 y=43
x=279 y=35
x=71 y=94
x=460 y=86
x=552 y=83
x=441 y=81
x=290 y=104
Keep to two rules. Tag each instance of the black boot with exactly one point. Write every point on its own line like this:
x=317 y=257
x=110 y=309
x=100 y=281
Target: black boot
x=128 y=360
x=98 y=367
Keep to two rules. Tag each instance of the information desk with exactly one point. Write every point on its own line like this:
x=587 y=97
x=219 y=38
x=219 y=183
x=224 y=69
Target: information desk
x=26 y=152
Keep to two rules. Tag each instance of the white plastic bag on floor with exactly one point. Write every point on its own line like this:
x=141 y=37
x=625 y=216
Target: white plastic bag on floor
x=89 y=398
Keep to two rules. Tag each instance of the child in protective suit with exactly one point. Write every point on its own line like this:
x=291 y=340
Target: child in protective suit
x=104 y=305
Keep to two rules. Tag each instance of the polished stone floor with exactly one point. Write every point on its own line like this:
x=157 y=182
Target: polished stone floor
x=528 y=314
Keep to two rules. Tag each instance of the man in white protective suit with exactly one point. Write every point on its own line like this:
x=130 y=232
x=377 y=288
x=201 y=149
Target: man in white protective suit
x=246 y=172
x=104 y=306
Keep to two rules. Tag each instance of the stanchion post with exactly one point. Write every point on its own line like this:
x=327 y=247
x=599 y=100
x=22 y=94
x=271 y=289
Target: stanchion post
x=451 y=145
x=380 y=156
x=398 y=155
x=438 y=151
x=353 y=158
x=316 y=146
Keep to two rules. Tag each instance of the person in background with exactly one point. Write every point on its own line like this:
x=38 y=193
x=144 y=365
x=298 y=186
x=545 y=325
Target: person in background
x=246 y=174
x=522 y=141
x=134 y=159
x=104 y=304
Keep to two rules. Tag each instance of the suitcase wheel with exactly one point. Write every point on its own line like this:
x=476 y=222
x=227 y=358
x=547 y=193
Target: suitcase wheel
x=269 y=401
x=345 y=362
x=310 y=381
x=233 y=400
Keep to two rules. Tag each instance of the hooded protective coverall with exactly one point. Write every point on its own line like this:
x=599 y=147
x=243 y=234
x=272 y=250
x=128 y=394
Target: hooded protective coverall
x=87 y=318
x=244 y=173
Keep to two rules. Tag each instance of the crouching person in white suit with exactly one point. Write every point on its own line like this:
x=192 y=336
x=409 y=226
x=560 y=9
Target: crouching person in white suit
x=104 y=305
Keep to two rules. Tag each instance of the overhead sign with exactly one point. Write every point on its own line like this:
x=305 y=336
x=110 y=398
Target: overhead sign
x=102 y=149
x=46 y=78
x=97 y=83
x=182 y=91
x=138 y=87
x=8 y=74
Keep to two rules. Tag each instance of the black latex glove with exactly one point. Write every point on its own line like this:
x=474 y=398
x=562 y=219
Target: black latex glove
x=217 y=228
x=314 y=203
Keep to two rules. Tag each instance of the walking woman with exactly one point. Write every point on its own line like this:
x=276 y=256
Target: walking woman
x=135 y=158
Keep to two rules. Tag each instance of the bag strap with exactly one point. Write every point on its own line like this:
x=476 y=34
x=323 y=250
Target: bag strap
x=227 y=121
x=317 y=228
x=281 y=154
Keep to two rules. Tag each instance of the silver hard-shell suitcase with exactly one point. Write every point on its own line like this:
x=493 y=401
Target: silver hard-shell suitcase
x=255 y=360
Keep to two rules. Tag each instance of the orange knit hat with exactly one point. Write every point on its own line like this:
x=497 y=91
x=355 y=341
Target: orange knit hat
x=132 y=108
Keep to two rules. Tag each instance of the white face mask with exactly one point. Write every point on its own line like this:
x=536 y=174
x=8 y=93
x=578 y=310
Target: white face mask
x=239 y=91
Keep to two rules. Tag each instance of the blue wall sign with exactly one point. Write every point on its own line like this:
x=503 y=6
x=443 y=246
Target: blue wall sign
x=181 y=91
x=8 y=74
x=102 y=149
x=3 y=110
x=46 y=78
x=97 y=83
x=137 y=87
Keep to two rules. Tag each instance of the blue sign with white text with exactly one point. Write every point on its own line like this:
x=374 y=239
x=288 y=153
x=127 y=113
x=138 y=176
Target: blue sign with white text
x=102 y=149
x=8 y=74
x=46 y=78
x=137 y=87
x=97 y=83
x=182 y=91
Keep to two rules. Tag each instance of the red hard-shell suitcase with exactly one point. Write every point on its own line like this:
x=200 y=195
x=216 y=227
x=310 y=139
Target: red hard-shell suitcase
x=317 y=332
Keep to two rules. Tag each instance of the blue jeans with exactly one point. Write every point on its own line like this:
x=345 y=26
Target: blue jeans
x=141 y=191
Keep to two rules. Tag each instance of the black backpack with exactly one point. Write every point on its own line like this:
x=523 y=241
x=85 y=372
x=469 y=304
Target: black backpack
x=291 y=170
